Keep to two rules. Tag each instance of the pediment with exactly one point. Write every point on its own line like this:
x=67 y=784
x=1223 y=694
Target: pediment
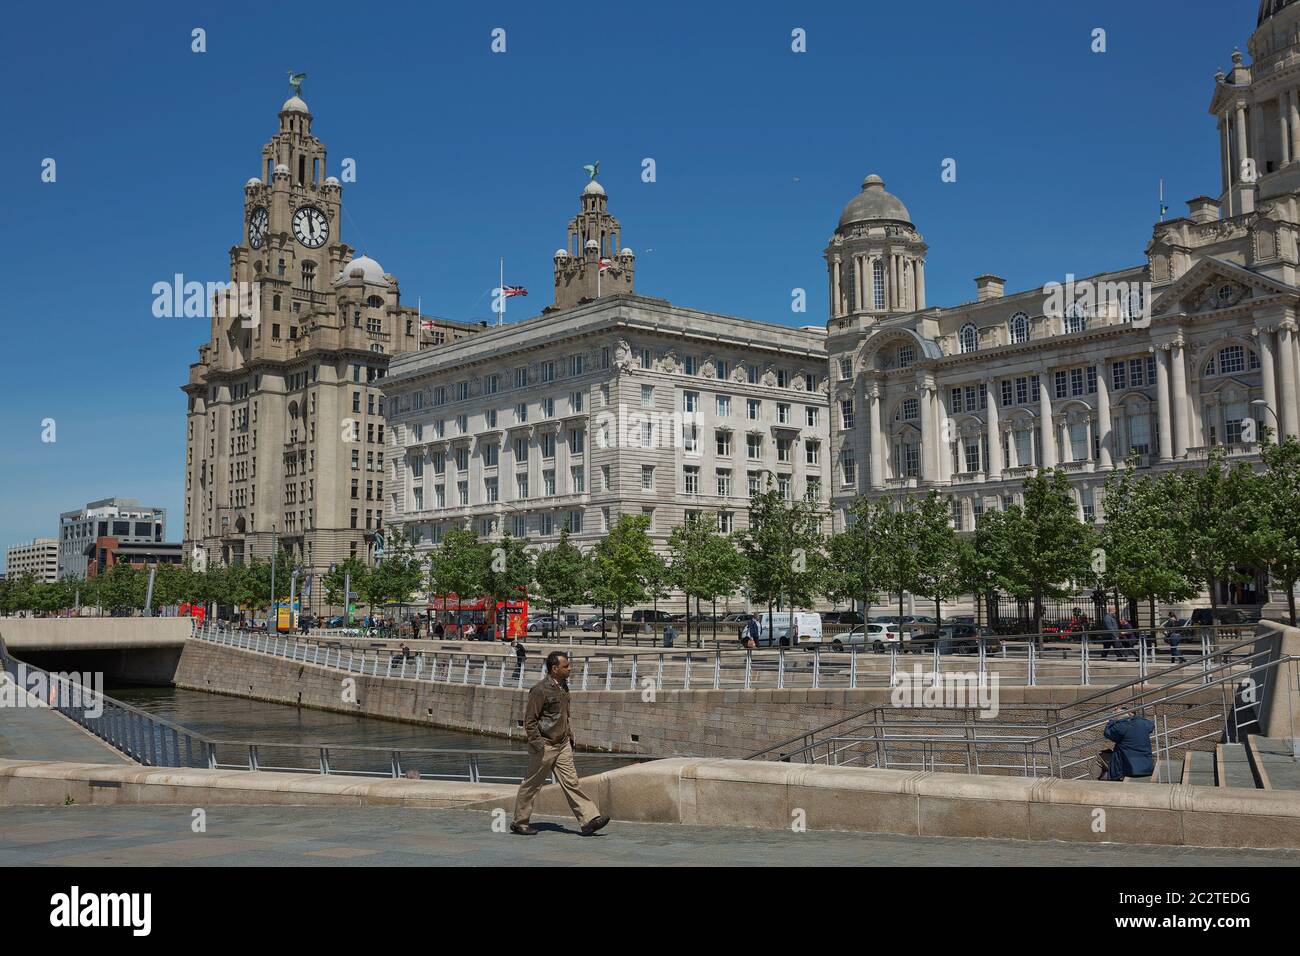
x=1212 y=285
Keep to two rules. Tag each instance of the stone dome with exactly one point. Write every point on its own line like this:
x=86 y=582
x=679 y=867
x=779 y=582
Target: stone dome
x=371 y=270
x=280 y=170
x=561 y=254
x=253 y=183
x=593 y=188
x=874 y=204
x=332 y=181
x=591 y=244
x=625 y=251
x=1270 y=8
x=294 y=104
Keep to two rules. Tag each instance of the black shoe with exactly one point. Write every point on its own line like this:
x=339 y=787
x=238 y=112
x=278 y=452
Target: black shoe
x=597 y=824
x=523 y=829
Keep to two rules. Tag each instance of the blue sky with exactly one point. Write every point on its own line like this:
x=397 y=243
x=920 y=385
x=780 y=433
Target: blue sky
x=464 y=155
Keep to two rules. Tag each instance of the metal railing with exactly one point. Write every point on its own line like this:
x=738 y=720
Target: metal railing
x=1085 y=659
x=1193 y=705
x=154 y=741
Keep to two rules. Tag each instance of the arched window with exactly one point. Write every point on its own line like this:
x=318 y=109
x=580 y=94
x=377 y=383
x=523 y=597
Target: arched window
x=1075 y=319
x=375 y=302
x=909 y=410
x=878 y=285
x=308 y=275
x=1019 y=328
x=970 y=338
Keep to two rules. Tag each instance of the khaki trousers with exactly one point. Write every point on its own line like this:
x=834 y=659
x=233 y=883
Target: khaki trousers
x=541 y=763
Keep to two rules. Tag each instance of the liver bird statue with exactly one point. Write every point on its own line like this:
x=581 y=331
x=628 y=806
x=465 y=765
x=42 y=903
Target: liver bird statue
x=592 y=169
x=295 y=82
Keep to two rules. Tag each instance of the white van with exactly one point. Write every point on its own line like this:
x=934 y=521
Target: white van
x=789 y=629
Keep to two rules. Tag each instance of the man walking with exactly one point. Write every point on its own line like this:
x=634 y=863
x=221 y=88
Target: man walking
x=1173 y=637
x=752 y=631
x=521 y=655
x=550 y=749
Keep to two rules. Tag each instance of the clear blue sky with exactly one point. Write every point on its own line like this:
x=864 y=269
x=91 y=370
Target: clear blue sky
x=464 y=156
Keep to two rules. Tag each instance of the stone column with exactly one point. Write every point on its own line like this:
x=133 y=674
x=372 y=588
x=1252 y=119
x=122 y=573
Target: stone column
x=1293 y=120
x=1067 y=446
x=893 y=282
x=1243 y=148
x=860 y=281
x=1286 y=345
x=1103 y=416
x=920 y=283
x=1087 y=448
x=1283 y=128
x=1257 y=135
x=877 y=439
x=993 y=467
x=1045 y=435
x=837 y=307
x=1013 y=454
x=1179 y=404
x=1162 y=404
x=1225 y=149
x=1268 y=373
x=943 y=446
x=928 y=437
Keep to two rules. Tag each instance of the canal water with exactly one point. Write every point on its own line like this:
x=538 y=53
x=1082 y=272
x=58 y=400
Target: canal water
x=219 y=717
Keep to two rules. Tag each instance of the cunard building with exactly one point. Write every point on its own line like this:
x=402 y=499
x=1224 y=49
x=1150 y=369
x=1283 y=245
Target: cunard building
x=1193 y=346
x=286 y=426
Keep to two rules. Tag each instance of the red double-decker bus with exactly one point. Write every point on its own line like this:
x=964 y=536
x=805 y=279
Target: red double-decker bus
x=479 y=618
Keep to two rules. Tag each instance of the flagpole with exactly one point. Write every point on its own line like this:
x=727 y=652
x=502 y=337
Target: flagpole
x=501 y=293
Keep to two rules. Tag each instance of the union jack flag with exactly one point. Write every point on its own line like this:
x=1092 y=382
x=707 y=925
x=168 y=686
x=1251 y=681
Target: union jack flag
x=606 y=264
x=510 y=290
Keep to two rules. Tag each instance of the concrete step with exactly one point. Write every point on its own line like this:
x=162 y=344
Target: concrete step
x=1232 y=766
x=1274 y=763
x=1198 y=769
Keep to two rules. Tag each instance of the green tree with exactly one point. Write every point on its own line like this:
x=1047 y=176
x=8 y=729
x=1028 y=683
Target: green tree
x=1138 y=555
x=895 y=529
x=509 y=574
x=561 y=576
x=458 y=566
x=981 y=559
x=1274 y=538
x=1053 y=548
x=851 y=571
x=1212 y=515
x=703 y=564
x=782 y=550
x=351 y=572
x=619 y=563
x=937 y=572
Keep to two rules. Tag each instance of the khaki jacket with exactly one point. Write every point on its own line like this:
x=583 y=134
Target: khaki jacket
x=546 y=719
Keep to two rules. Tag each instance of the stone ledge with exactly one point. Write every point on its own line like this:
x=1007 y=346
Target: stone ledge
x=34 y=782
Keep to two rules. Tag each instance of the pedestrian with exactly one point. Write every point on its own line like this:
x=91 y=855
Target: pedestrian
x=521 y=654
x=1173 y=637
x=752 y=631
x=670 y=635
x=550 y=750
x=437 y=630
x=1131 y=755
x=1111 y=639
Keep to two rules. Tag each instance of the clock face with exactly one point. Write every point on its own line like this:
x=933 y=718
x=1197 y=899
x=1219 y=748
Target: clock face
x=257 y=224
x=310 y=227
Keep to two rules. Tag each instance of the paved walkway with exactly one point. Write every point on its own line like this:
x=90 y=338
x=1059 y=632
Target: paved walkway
x=38 y=733
x=388 y=836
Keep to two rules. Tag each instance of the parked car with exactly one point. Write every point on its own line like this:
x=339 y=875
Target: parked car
x=543 y=624
x=955 y=639
x=650 y=616
x=873 y=635
x=594 y=623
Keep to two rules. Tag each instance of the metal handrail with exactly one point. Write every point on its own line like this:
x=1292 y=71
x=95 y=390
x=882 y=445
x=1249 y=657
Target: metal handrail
x=155 y=741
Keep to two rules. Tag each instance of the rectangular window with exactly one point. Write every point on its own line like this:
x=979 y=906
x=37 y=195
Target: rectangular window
x=972 y=456
x=1118 y=375
x=548 y=371
x=722 y=370
x=724 y=484
x=520 y=526
x=722 y=440
x=575 y=364
x=490 y=489
x=1062 y=385
x=690 y=401
x=753 y=408
x=751 y=374
x=846 y=369
x=691 y=439
x=1076 y=381
x=783 y=414
x=645 y=360
x=521 y=486
x=782 y=378
x=521 y=450
x=955 y=401
x=647 y=478
x=548 y=445
x=783 y=450
x=754 y=446
x=548 y=483
x=577 y=441
x=575 y=401
x=691 y=478
x=647 y=396
x=1091 y=376
x=490 y=385
x=812 y=453
x=521 y=378
x=723 y=404
x=1022 y=391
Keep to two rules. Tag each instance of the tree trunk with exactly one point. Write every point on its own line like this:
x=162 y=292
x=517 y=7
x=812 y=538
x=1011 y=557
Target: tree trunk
x=1290 y=600
x=715 y=621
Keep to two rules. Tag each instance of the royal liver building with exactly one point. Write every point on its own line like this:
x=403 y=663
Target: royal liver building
x=1193 y=347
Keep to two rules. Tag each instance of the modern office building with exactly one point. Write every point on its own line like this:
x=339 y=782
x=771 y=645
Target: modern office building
x=122 y=518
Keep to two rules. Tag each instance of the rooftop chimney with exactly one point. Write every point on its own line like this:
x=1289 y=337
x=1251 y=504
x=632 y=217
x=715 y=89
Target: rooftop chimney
x=989 y=286
x=1203 y=209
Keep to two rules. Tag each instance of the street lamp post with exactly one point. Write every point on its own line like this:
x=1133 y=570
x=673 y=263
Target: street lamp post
x=274 y=545
x=1264 y=405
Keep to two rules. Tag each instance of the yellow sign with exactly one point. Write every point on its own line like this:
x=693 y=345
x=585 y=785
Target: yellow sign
x=284 y=619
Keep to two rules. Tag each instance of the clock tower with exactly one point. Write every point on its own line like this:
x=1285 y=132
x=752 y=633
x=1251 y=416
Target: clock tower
x=286 y=437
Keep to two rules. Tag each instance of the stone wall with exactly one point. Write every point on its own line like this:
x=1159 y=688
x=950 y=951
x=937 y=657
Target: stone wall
x=721 y=723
